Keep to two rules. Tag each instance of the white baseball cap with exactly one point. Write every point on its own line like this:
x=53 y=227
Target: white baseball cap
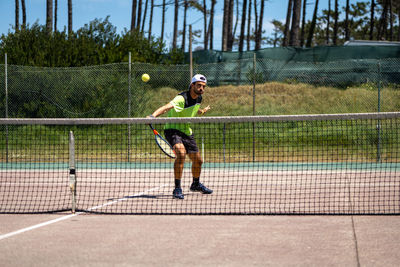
x=198 y=78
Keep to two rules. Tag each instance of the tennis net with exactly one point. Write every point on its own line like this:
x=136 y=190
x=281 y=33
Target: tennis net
x=301 y=164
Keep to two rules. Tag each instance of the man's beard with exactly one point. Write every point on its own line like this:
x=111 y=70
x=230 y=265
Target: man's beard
x=197 y=92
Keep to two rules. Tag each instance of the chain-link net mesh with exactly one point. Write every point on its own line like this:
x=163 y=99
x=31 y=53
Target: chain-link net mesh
x=242 y=87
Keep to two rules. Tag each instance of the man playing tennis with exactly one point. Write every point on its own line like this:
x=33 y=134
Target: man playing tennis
x=180 y=135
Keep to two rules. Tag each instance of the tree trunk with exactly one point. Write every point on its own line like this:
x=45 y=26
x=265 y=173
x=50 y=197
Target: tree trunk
x=144 y=16
x=372 y=21
x=255 y=19
x=162 y=22
x=49 y=15
x=151 y=19
x=69 y=16
x=224 y=45
x=312 y=26
x=175 y=36
x=260 y=24
x=185 y=7
x=133 y=17
x=55 y=14
x=237 y=19
x=346 y=23
x=294 y=32
x=211 y=24
x=398 y=28
x=248 y=27
x=242 y=26
x=205 y=39
x=230 y=25
x=303 y=23
x=286 y=34
x=335 y=25
x=16 y=15
x=139 y=14
x=383 y=23
x=391 y=20
x=23 y=14
x=327 y=41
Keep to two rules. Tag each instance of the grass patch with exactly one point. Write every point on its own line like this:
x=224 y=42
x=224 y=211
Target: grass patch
x=276 y=98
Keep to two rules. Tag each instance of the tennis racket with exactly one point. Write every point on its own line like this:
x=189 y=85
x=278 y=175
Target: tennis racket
x=163 y=144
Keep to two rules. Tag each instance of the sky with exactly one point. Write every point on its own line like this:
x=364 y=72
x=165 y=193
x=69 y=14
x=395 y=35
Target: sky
x=119 y=12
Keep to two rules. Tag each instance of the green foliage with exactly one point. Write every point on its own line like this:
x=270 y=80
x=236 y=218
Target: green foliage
x=175 y=56
x=254 y=76
x=94 y=44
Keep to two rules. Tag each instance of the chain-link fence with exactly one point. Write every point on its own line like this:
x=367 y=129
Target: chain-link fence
x=242 y=87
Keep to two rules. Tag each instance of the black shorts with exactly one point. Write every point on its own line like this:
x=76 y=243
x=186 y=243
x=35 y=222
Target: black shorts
x=177 y=137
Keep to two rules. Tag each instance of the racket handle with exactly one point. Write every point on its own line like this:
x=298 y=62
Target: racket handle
x=154 y=130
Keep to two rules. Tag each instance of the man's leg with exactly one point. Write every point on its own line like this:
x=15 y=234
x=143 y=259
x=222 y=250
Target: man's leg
x=180 y=152
x=197 y=161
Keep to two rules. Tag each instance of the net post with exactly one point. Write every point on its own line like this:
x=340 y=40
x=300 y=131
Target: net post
x=379 y=86
x=378 y=126
x=254 y=83
x=224 y=141
x=6 y=100
x=254 y=105
x=129 y=103
x=72 y=170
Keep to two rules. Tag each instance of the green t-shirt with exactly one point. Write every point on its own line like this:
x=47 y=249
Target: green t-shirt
x=184 y=106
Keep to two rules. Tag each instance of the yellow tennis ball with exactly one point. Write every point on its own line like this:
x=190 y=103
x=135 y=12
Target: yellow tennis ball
x=145 y=77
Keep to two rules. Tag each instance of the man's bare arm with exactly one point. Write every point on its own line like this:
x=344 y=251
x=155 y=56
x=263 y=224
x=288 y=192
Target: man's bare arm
x=162 y=110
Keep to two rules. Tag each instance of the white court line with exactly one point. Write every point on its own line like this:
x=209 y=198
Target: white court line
x=75 y=214
x=125 y=198
x=37 y=226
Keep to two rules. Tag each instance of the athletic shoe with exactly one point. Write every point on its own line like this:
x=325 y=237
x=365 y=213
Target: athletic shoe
x=178 y=193
x=199 y=187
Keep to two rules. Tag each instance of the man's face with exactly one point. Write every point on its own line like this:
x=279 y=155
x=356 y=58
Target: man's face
x=198 y=87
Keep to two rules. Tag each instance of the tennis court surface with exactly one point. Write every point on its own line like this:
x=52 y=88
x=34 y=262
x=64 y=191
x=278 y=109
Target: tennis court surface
x=152 y=240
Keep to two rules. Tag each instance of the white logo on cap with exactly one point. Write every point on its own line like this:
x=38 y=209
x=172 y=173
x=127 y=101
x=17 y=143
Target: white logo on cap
x=199 y=78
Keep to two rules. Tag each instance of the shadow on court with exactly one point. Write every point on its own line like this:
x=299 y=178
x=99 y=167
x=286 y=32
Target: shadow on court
x=110 y=240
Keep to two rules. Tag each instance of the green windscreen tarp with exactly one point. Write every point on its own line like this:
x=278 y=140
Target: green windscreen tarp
x=315 y=54
x=330 y=65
